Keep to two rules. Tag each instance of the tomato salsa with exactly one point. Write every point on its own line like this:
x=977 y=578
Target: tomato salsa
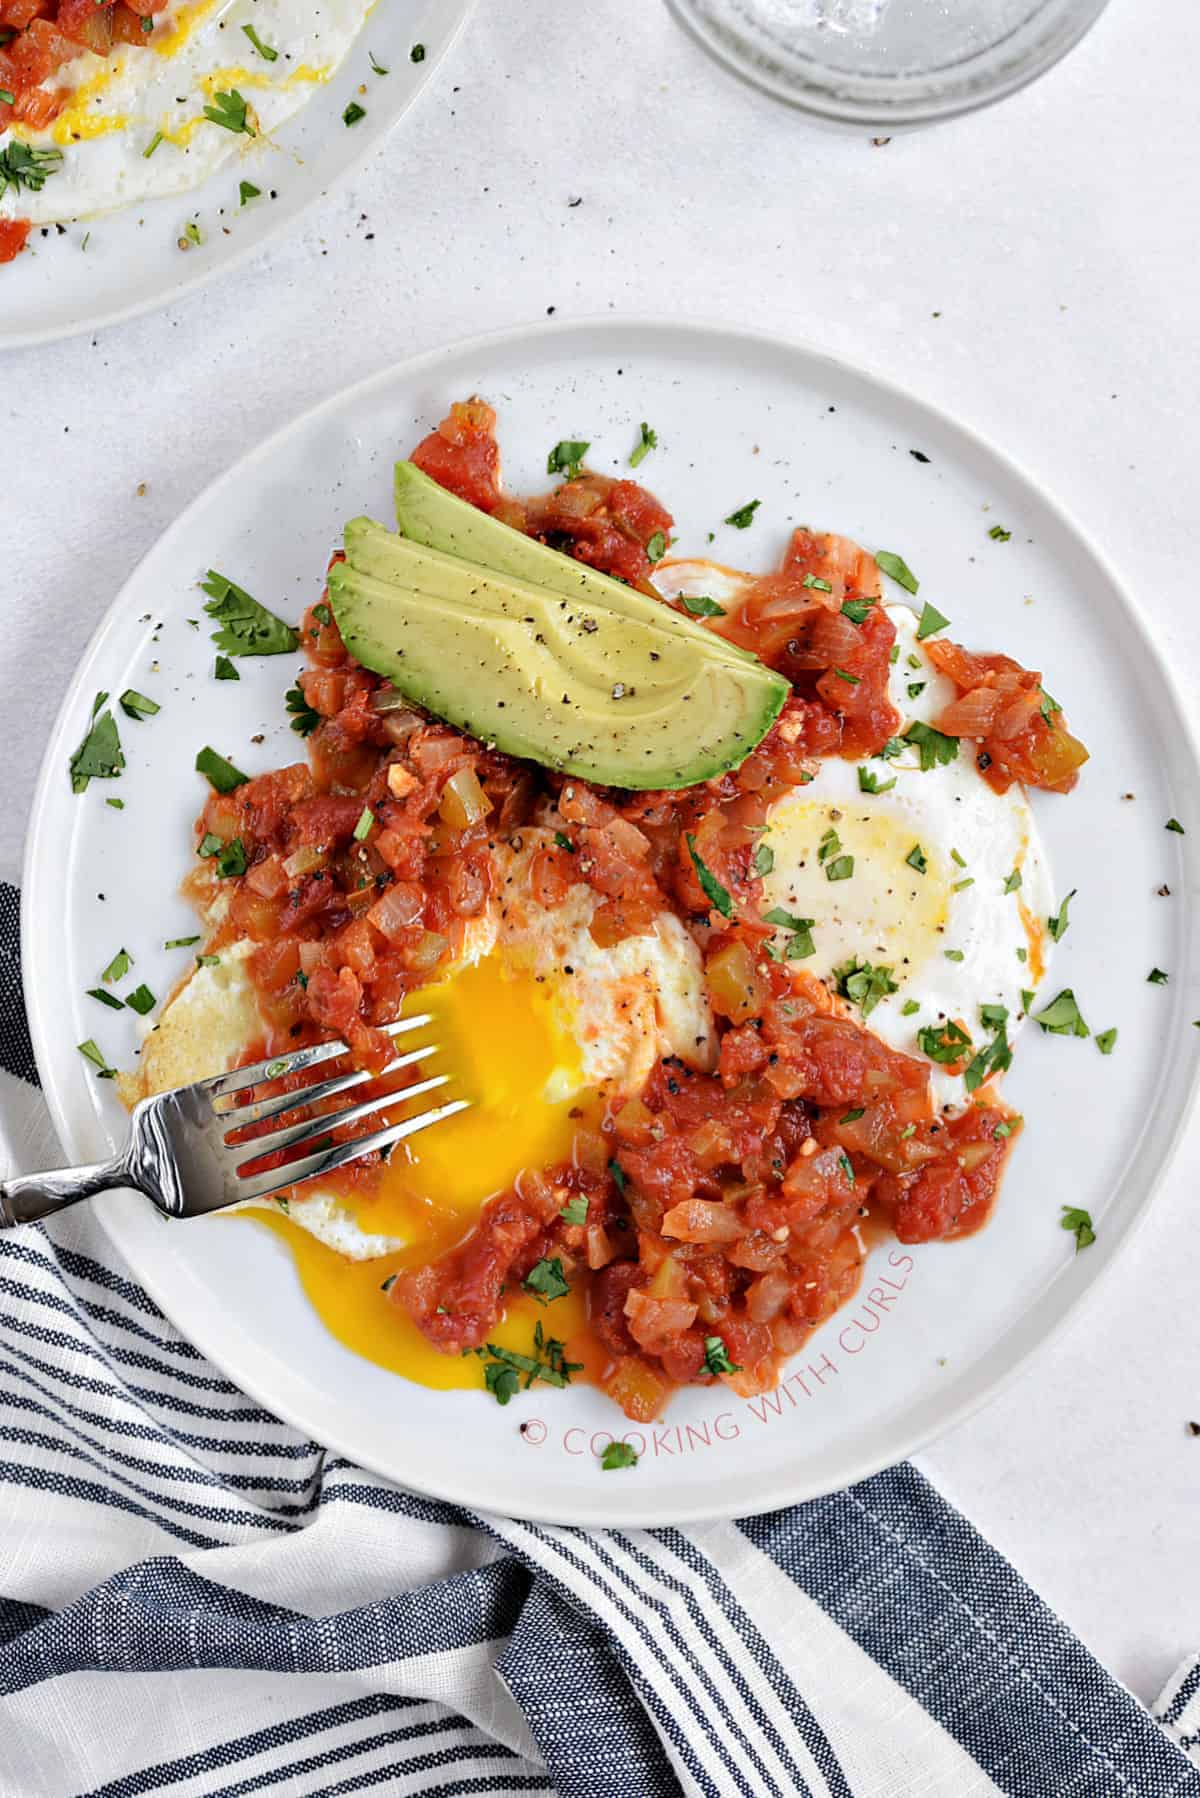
x=714 y=1219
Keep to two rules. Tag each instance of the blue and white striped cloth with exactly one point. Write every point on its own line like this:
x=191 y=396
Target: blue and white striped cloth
x=196 y=1601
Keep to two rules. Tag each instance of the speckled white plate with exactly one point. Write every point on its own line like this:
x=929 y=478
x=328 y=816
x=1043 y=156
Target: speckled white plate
x=933 y=1330
x=132 y=261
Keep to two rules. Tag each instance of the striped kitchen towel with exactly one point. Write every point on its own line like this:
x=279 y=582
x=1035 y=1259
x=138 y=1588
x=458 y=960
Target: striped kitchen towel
x=196 y=1601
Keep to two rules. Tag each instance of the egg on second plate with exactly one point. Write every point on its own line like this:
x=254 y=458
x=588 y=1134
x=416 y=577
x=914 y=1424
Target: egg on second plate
x=135 y=124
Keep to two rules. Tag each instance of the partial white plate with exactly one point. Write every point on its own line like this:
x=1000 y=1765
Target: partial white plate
x=934 y=1329
x=133 y=263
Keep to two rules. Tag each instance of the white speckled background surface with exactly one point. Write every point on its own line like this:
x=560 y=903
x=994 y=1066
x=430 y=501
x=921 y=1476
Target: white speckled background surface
x=1032 y=269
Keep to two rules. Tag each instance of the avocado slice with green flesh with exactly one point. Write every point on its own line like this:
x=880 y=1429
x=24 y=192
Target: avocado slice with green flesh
x=429 y=514
x=612 y=700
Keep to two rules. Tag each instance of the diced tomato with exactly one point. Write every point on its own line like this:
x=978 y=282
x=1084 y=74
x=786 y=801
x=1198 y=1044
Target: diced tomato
x=13 y=233
x=463 y=455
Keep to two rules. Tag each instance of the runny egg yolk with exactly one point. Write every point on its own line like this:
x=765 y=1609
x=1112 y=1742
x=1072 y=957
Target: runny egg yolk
x=501 y=1044
x=860 y=871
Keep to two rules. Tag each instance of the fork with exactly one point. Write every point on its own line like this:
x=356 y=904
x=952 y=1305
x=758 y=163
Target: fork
x=180 y=1156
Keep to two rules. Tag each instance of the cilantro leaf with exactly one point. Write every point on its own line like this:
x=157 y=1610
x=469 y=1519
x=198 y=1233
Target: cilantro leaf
x=856 y=610
x=99 y=756
x=700 y=606
x=264 y=50
x=716 y=1356
x=719 y=897
x=799 y=944
x=547 y=1280
x=617 y=1455
x=304 y=719
x=229 y=110
x=575 y=1211
x=135 y=705
x=222 y=776
x=247 y=629
x=863 y=984
x=1079 y=1223
x=930 y=622
x=933 y=748
x=1057 y=925
x=566 y=457
x=899 y=570
x=744 y=515
x=647 y=441
x=1062 y=1016
x=869 y=782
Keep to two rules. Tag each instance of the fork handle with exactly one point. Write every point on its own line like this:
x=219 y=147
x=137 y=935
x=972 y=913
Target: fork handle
x=28 y=1197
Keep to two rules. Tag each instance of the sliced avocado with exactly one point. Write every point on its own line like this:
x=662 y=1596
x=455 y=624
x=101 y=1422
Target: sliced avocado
x=428 y=514
x=612 y=699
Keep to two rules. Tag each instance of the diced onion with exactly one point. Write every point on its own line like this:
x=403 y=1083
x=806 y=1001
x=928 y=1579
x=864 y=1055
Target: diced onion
x=397 y=909
x=464 y=801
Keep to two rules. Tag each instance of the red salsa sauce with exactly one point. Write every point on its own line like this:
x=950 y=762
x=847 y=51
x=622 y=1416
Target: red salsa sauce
x=726 y=1205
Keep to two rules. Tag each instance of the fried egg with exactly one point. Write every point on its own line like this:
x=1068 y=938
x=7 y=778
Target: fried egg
x=534 y=1025
x=134 y=126
x=922 y=871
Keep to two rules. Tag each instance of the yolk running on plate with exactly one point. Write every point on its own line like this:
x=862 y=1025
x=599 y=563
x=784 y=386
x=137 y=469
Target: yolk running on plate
x=502 y=1045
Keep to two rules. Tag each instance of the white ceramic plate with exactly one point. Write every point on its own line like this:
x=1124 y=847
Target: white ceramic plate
x=739 y=417
x=132 y=261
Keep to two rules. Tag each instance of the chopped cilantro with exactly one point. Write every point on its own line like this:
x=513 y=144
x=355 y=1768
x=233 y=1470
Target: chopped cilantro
x=869 y=782
x=930 y=622
x=109 y=999
x=229 y=111
x=647 y=440
x=916 y=688
x=899 y=570
x=417 y=53
x=1057 y=925
x=618 y=1175
x=955 y=954
x=700 y=606
x=547 y=1280
x=840 y=869
x=141 y=1000
x=957 y=859
x=547 y=1363
x=575 y=1211
x=857 y=610
x=221 y=775
x=847 y=1168
x=1079 y=1223
x=718 y=897
x=353 y=113
x=1156 y=977
x=246 y=628
x=99 y=756
x=562 y=841
x=1062 y=1016
x=247 y=191
x=998 y=534
x=264 y=50
x=1027 y=998
x=960 y=886
x=152 y=146
x=618 y=1455
x=744 y=515
x=933 y=748
x=909 y=1008
x=916 y=859
x=1176 y=826
x=656 y=548
x=863 y=984
x=22 y=166
x=764 y=859
x=829 y=845
x=304 y=719
x=817 y=585
x=852 y=1117
x=716 y=1356
x=567 y=457
x=230 y=857
x=943 y=1043
x=180 y=942
x=799 y=944
x=1106 y=1040
x=376 y=65
x=891 y=749
x=118 y=805
x=136 y=705
x=852 y=680
x=1013 y=881
x=995 y=1056
x=93 y=1054
x=118 y=967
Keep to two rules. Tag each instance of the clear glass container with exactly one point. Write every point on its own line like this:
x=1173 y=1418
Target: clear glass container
x=887 y=63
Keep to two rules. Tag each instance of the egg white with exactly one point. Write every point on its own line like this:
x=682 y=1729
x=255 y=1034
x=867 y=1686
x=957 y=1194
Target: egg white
x=119 y=103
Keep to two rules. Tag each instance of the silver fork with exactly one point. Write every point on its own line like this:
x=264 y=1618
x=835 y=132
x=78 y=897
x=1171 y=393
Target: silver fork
x=179 y=1154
